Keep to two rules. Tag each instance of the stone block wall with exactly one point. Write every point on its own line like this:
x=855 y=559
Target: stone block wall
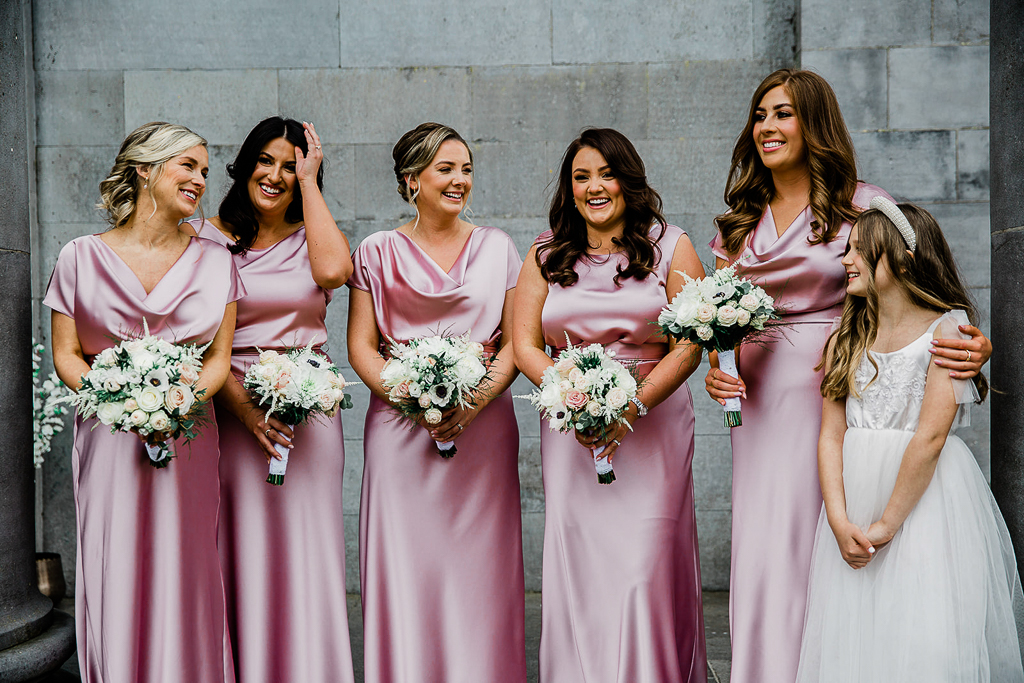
x=518 y=80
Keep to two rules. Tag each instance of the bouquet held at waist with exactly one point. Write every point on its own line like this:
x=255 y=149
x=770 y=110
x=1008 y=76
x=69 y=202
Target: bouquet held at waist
x=427 y=376
x=146 y=385
x=716 y=313
x=295 y=385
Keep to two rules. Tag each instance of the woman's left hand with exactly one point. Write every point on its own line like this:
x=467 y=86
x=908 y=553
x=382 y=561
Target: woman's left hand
x=963 y=357
x=613 y=436
x=307 y=165
x=454 y=423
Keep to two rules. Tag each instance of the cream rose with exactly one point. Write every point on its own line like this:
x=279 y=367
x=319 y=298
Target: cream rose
x=705 y=313
x=130 y=405
x=138 y=418
x=179 y=398
x=616 y=398
x=432 y=416
x=188 y=373
x=149 y=399
x=110 y=412
x=749 y=302
x=742 y=317
x=727 y=315
x=704 y=332
x=159 y=421
x=593 y=408
x=424 y=402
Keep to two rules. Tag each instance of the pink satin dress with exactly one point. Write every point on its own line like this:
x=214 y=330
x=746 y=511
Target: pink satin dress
x=282 y=548
x=149 y=602
x=440 y=541
x=776 y=496
x=621 y=599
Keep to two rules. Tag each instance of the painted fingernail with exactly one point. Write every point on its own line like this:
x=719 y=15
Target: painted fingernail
x=871 y=550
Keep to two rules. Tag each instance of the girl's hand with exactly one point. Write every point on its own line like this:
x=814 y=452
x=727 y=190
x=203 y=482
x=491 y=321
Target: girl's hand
x=613 y=436
x=879 y=535
x=268 y=432
x=963 y=357
x=307 y=165
x=854 y=545
x=721 y=386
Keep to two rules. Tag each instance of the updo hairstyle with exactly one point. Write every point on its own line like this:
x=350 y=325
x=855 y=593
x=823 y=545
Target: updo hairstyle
x=416 y=149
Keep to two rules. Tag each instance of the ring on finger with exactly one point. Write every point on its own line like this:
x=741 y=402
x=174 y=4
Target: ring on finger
x=968 y=359
x=460 y=427
x=318 y=146
x=267 y=432
x=616 y=442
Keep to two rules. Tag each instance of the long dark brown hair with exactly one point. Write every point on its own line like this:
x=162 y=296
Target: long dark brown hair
x=929 y=278
x=830 y=159
x=236 y=210
x=557 y=256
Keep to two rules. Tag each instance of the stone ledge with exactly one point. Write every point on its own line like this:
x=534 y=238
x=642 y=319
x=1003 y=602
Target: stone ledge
x=42 y=655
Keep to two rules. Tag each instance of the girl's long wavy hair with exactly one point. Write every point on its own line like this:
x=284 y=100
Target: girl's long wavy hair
x=929 y=278
x=830 y=159
x=151 y=146
x=236 y=210
x=557 y=256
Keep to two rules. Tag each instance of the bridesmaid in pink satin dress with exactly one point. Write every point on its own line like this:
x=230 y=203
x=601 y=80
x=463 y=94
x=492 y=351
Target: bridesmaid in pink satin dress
x=149 y=603
x=621 y=592
x=440 y=541
x=282 y=548
x=787 y=230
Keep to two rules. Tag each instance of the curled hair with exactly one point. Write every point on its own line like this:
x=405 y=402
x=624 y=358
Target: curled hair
x=416 y=149
x=557 y=256
x=150 y=146
x=236 y=210
x=929 y=278
x=831 y=163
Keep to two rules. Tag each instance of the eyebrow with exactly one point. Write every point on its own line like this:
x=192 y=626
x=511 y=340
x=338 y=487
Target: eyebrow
x=583 y=170
x=776 y=107
x=453 y=163
x=194 y=161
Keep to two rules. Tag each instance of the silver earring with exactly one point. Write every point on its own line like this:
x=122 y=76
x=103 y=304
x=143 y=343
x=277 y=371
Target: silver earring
x=145 y=185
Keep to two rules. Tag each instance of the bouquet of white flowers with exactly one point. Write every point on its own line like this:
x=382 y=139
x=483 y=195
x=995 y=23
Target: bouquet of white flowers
x=295 y=385
x=587 y=390
x=429 y=375
x=146 y=385
x=47 y=411
x=717 y=313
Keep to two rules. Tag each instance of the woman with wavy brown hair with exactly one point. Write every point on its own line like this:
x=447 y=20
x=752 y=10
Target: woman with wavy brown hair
x=621 y=593
x=792 y=195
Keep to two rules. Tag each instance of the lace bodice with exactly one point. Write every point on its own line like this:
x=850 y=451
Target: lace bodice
x=893 y=400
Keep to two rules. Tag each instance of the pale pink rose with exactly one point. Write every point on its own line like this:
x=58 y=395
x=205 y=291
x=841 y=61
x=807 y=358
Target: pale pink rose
x=267 y=356
x=575 y=375
x=477 y=349
x=189 y=374
x=424 y=400
x=616 y=398
x=564 y=366
x=130 y=405
x=179 y=398
x=594 y=408
x=705 y=313
x=401 y=391
x=727 y=315
x=283 y=379
x=326 y=400
x=749 y=302
x=432 y=416
x=576 y=399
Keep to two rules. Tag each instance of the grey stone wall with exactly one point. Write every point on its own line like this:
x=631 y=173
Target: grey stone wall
x=518 y=80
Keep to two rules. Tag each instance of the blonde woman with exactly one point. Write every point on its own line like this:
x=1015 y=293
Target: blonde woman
x=149 y=600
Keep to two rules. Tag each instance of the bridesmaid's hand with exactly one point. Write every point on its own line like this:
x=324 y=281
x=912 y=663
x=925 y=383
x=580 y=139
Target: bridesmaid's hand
x=963 y=357
x=454 y=422
x=721 y=386
x=306 y=165
x=268 y=432
x=879 y=535
x=613 y=436
x=854 y=545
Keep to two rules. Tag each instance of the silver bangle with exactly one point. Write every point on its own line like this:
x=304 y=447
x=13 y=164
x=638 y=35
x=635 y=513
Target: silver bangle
x=641 y=409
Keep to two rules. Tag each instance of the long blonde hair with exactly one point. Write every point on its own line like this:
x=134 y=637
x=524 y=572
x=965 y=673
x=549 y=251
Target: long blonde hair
x=929 y=278
x=149 y=145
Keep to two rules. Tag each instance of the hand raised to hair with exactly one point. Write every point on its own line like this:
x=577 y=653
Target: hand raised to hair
x=307 y=165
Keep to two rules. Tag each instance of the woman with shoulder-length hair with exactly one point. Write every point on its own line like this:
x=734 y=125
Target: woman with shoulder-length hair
x=621 y=594
x=440 y=540
x=282 y=548
x=792 y=195
x=149 y=603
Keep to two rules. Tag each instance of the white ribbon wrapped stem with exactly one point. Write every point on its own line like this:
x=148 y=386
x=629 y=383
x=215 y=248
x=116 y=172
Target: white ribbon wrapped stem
x=727 y=364
x=279 y=467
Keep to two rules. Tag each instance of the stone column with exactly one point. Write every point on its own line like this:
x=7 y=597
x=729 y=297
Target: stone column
x=34 y=638
x=1007 y=206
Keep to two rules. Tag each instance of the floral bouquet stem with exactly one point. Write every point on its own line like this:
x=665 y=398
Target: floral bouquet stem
x=727 y=364
x=160 y=454
x=278 y=467
x=605 y=473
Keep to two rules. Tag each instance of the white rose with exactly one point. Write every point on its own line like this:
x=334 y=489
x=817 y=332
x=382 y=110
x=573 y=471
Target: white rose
x=267 y=356
x=616 y=398
x=110 y=412
x=159 y=421
x=686 y=313
x=326 y=399
x=188 y=374
x=179 y=398
x=106 y=357
x=742 y=317
x=149 y=399
x=392 y=373
x=143 y=360
x=594 y=408
x=415 y=390
x=476 y=348
x=749 y=302
x=432 y=416
x=550 y=395
x=138 y=418
x=705 y=312
x=704 y=332
x=727 y=315
x=469 y=371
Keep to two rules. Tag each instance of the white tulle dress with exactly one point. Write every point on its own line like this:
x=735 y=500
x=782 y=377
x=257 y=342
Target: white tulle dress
x=942 y=601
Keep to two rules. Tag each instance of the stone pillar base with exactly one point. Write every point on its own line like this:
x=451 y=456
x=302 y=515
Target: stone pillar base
x=35 y=659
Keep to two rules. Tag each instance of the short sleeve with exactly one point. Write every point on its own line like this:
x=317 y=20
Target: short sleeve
x=964 y=390
x=236 y=288
x=60 y=292
x=717 y=249
x=512 y=266
x=360 y=278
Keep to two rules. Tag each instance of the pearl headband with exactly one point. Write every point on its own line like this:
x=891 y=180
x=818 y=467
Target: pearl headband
x=893 y=213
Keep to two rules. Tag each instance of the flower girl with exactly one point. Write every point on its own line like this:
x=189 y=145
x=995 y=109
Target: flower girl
x=920 y=582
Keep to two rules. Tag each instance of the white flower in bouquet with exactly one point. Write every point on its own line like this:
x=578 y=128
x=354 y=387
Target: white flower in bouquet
x=149 y=399
x=47 y=410
x=110 y=412
x=159 y=421
x=727 y=315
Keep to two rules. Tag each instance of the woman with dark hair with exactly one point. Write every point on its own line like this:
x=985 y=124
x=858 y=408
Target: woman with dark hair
x=440 y=540
x=148 y=594
x=621 y=594
x=282 y=548
x=793 y=194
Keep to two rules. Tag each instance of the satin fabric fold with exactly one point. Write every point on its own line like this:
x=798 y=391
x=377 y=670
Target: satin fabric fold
x=282 y=548
x=776 y=496
x=621 y=587
x=149 y=602
x=440 y=541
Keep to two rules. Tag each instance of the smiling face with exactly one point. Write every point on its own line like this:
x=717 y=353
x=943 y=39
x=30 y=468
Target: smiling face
x=596 y=192
x=272 y=183
x=857 y=269
x=444 y=185
x=777 y=135
x=181 y=183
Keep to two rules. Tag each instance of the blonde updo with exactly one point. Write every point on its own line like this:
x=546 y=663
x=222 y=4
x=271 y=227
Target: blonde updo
x=416 y=149
x=149 y=145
